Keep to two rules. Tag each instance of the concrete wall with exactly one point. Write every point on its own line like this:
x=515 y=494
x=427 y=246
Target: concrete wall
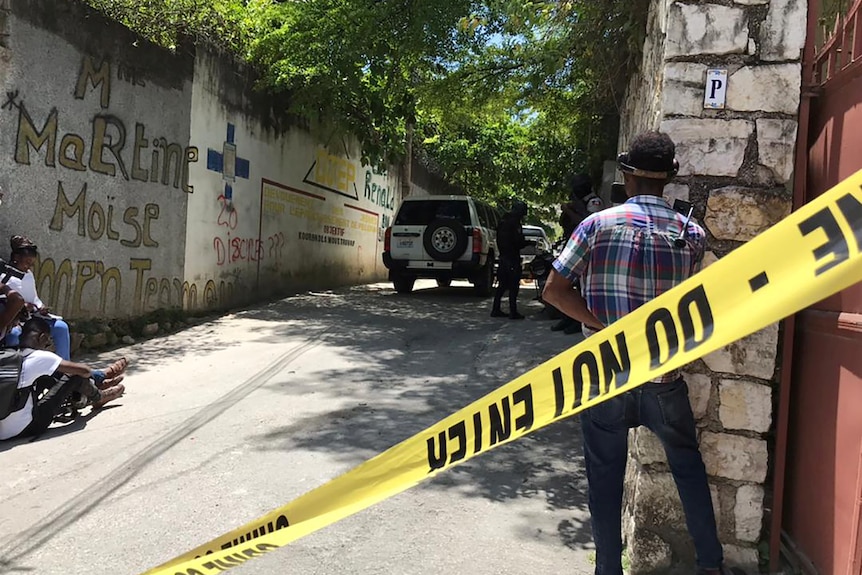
x=157 y=180
x=94 y=138
x=298 y=211
x=737 y=169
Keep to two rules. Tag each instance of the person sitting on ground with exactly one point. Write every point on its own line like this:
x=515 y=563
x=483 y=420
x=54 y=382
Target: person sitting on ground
x=47 y=381
x=24 y=253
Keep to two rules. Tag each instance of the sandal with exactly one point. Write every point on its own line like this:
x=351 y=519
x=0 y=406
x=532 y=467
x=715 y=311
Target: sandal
x=106 y=383
x=116 y=368
x=109 y=394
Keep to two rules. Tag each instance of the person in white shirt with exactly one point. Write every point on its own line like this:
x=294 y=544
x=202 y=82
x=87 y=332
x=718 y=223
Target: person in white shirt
x=47 y=381
x=24 y=253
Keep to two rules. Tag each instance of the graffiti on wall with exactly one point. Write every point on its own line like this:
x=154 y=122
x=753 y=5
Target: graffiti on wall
x=110 y=147
x=333 y=174
x=96 y=222
x=66 y=285
x=379 y=193
x=327 y=222
x=232 y=249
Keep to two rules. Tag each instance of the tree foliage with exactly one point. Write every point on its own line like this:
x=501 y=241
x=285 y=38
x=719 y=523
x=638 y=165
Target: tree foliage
x=220 y=23
x=559 y=71
x=357 y=63
x=503 y=97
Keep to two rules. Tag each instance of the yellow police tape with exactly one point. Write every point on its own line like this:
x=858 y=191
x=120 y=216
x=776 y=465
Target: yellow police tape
x=810 y=255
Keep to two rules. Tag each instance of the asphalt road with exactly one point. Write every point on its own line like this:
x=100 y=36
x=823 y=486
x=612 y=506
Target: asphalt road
x=234 y=417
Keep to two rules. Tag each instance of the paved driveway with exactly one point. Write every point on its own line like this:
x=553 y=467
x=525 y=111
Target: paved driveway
x=233 y=417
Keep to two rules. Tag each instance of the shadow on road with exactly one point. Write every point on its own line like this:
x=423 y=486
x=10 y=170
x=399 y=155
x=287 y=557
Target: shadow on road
x=414 y=360
x=444 y=339
x=24 y=543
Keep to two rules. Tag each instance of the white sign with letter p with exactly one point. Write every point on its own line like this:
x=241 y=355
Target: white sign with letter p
x=716 y=89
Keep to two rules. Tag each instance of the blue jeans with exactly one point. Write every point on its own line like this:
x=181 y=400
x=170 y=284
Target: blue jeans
x=664 y=408
x=59 y=333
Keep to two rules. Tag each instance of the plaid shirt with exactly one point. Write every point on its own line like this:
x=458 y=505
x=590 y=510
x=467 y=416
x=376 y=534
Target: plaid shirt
x=625 y=256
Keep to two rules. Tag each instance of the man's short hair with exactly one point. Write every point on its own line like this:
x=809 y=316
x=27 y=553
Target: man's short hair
x=35 y=326
x=653 y=152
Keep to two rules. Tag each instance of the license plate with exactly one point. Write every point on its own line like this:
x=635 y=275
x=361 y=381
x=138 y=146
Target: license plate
x=405 y=243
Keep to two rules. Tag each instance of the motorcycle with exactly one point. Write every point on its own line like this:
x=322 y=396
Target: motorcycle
x=540 y=269
x=541 y=266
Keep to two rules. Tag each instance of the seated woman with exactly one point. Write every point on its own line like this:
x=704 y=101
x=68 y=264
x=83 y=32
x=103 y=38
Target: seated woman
x=24 y=253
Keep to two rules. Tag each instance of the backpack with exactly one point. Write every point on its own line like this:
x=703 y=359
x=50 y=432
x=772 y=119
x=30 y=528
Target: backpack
x=11 y=398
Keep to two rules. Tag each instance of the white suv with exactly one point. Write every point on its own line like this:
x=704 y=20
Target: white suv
x=443 y=238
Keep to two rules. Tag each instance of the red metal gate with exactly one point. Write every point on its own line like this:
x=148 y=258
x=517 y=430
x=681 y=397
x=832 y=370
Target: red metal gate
x=819 y=451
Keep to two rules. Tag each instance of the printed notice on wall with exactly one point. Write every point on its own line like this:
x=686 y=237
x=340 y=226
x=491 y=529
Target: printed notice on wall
x=326 y=220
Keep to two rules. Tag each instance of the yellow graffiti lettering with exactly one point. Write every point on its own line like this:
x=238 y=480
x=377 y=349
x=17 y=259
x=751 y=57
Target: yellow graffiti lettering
x=63 y=207
x=333 y=172
x=100 y=128
x=139 y=173
x=29 y=137
x=108 y=276
x=100 y=77
x=139 y=266
x=76 y=161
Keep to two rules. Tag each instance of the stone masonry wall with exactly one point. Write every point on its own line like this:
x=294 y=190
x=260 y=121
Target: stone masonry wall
x=736 y=167
x=645 y=86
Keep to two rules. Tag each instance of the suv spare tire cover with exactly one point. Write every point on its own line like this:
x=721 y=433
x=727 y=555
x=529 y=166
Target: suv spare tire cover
x=445 y=239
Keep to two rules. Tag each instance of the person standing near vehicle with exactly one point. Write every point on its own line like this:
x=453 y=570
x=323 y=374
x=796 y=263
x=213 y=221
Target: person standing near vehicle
x=626 y=256
x=575 y=210
x=510 y=241
x=573 y=213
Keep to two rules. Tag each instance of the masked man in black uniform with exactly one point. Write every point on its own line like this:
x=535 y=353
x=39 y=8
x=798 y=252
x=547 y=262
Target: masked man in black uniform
x=510 y=242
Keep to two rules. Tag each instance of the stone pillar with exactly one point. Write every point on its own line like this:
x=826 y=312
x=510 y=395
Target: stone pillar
x=736 y=167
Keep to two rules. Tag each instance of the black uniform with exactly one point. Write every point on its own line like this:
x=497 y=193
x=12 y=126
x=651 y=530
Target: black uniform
x=570 y=221
x=510 y=242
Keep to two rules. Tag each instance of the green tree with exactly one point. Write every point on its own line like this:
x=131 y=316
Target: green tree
x=558 y=70
x=354 y=65
x=220 y=23
x=507 y=97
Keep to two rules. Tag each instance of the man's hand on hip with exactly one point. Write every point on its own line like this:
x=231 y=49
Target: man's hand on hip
x=560 y=293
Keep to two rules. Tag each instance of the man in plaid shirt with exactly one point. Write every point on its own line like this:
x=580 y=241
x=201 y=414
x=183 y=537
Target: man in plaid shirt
x=624 y=257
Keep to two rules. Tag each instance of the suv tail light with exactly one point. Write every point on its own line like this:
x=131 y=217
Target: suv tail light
x=477 y=241
x=387 y=241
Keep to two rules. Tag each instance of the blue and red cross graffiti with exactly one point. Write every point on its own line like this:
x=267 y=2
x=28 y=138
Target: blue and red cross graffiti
x=227 y=163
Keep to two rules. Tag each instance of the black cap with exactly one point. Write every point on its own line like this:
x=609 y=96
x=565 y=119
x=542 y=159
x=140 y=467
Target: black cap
x=651 y=155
